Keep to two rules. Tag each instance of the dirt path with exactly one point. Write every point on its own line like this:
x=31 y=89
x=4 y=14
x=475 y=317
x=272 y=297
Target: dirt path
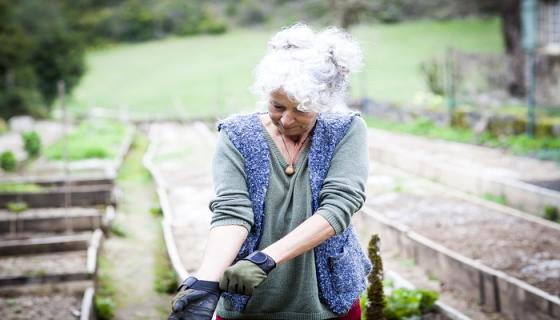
x=132 y=258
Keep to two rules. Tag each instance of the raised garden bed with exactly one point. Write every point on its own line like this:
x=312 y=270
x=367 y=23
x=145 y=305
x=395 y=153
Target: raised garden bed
x=85 y=195
x=50 y=259
x=511 y=264
x=475 y=170
x=57 y=302
x=53 y=220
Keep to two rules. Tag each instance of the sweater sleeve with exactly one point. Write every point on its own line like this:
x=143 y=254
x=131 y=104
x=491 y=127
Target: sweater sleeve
x=231 y=204
x=343 y=192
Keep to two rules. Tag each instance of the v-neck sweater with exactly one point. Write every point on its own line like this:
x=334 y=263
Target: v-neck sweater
x=290 y=291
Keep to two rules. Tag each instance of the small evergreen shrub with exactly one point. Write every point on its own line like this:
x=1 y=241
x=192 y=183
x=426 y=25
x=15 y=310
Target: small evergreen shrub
x=31 y=143
x=8 y=161
x=551 y=213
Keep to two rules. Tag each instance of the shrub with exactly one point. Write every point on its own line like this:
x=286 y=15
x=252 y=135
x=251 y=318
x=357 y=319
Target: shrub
x=3 y=126
x=551 y=213
x=8 y=161
x=376 y=300
x=31 y=143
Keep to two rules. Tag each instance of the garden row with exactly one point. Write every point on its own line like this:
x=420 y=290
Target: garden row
x=505 y=259
x=52 y=229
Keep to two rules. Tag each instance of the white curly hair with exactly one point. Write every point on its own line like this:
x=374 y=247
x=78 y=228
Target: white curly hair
x=311 y=68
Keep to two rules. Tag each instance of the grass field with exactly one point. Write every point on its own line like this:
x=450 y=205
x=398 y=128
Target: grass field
x=204 y=75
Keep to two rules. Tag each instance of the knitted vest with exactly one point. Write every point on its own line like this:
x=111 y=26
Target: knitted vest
x=340 y=262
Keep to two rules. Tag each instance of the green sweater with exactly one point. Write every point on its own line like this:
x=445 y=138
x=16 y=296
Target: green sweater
x=290 y=291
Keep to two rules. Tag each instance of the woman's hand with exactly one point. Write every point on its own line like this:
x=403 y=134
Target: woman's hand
x=247 y=274
x=196 y=300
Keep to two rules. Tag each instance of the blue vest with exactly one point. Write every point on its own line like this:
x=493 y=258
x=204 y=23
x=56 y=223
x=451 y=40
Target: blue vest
x=340 y=262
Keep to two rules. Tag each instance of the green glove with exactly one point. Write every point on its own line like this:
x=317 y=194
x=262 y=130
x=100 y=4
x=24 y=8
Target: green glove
x=247 y=274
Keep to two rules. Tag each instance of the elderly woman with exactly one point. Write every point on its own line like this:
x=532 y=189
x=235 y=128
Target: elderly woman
x=287 y=182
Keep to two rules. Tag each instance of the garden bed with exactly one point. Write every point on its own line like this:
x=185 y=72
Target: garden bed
x=56 y=303
x=85 y=195
x=50 y=259
x=53 y=220
x=475 y=246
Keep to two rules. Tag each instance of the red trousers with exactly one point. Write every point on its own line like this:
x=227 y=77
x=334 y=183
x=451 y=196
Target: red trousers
x=355 y=313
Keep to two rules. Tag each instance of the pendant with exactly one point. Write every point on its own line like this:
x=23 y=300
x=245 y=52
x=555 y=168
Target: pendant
x=289 y=170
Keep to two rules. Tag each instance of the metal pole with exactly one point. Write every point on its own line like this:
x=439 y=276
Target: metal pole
x=61 y=96
x=450 y=84
x=530 y=25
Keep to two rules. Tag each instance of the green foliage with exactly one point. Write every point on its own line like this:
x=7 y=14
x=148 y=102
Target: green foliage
x=118 y=230
x=156 y=210
x=16 y=206
x=551 y=213
x=104 y=297
x=406 y=303
x=20 y=187
x=140 y=20
x=501 y=199
x=433 y=74
x=90 y=140
x=517 y=144
x=166 y=279
x=8 y=161
x=36 y=54
x=105 y=308
x=31 y=143
x=3 y=126
x=376 y=301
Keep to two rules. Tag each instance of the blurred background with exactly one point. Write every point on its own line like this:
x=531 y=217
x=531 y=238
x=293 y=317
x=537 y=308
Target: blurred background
x=455 y=62
x=107 y=110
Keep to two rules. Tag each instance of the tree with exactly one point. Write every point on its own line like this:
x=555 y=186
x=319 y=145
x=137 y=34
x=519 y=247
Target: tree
x=40 y=46
x=510 y=14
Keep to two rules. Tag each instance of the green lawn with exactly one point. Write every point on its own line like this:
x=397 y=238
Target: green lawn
x=204 y=75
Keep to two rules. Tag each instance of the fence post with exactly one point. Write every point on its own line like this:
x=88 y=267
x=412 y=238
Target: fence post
x=450 y=84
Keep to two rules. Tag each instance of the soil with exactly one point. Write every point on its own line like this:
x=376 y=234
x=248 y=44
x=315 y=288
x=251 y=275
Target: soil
x=523 y=249
x=40 y=264
x=49 y=307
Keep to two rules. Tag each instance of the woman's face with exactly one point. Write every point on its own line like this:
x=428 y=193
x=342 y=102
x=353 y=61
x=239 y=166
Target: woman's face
x=284 y=114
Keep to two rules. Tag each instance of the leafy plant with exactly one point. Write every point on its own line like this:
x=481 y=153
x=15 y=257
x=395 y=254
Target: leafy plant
x=105 y=307
x=118 y=230
x=8 y=161
x=406 y=303
x=16 y=206
x=501 y=199
x=104 y=303
x=31 y=143
x=551 y=213
x=165 y=277
x=20 y=187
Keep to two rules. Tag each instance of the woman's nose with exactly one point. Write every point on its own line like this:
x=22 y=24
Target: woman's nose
x=287 y=120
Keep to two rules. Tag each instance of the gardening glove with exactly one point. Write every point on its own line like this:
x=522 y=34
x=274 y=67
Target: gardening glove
x=247 y=274
x=195 y=300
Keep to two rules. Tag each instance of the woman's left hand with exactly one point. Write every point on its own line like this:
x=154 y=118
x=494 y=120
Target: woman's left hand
x=247 y=274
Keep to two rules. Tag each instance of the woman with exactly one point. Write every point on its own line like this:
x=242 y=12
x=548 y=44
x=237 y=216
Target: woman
x=287 y=183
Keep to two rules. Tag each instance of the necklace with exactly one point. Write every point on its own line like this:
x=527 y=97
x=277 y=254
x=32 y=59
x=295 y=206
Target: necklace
x=290 y=169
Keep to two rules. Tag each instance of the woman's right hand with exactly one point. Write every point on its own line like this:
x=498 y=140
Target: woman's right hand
x=196 y=300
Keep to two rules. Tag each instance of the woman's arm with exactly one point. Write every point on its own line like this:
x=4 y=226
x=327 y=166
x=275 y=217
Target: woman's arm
x=306 y=236
x=222 y=247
